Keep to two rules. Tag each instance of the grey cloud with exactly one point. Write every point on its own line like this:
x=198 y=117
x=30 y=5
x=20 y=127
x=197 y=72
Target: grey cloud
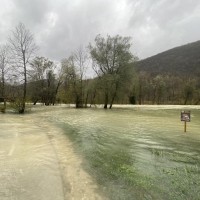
x=61 y=26
x=78 y=25
x=164 y=24
x=30 y=12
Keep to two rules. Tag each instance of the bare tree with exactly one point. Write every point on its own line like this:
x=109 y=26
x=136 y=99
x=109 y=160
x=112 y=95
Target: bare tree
x=22 y=48
x=75 y=69
x=4 y=59
x=81 y=64
x=60 y=76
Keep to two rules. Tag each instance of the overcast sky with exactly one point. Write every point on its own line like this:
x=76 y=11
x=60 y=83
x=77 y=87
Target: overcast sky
x=61 y=26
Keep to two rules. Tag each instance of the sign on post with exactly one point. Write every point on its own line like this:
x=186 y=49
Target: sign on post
x=185 y=117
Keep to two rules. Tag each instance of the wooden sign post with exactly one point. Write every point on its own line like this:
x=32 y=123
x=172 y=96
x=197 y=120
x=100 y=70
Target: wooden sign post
x=185 y=117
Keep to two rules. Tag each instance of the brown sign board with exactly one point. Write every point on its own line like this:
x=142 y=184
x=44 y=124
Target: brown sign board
x=185 y=116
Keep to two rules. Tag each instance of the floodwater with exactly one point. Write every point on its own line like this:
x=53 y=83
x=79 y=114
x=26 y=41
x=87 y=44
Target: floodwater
x=58 y=153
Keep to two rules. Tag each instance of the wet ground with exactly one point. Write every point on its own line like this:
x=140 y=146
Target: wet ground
x=131 y=153
x=37 y=162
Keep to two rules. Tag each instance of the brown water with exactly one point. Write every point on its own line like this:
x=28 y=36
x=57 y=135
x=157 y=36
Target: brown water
x=37 y=162
x=138 y=153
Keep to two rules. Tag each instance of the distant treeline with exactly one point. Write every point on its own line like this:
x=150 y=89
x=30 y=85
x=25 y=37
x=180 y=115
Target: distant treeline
x=171 y=77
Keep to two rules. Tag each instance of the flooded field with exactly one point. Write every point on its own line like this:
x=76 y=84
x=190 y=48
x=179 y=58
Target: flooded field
x=126 y=153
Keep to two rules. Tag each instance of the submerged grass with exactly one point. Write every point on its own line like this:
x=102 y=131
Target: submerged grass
x=133 y=155
x=180 y=177
x=112 y=166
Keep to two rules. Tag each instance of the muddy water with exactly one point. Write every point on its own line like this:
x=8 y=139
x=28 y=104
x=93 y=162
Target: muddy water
x=37 y=162
x=136 y=153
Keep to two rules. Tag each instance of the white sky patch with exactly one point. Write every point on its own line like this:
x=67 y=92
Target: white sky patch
x=121 y=15
x=121 y=6
x=5 y=19
x=6 y=8
x=51 y=19
x=49 y=24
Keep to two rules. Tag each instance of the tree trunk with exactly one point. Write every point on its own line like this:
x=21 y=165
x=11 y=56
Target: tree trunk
x=106 y=101
x=113 y=98
x=24 y=99
x=140 y=94
x=186 y=99
x=86 y=100
x=34 y=103
x=115 y=94
x=56 y=91
x=3 y=91
x=93 y=99
x=154 y=97
x=79 y=103
x=22 y=109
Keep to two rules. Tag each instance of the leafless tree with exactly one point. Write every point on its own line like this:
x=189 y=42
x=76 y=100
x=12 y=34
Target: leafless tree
x=4 y=59
x=81 y=63
x=75 y=70
x=22 y=48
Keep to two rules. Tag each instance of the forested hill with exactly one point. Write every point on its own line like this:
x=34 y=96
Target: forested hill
x=180 y=61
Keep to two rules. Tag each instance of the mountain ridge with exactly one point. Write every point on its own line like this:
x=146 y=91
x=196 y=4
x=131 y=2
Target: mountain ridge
x=181 y=60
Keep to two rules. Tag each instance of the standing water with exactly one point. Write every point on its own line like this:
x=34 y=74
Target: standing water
x=136 y=153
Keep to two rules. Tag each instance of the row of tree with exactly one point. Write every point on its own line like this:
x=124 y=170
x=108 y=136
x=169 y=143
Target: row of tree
x=26 y=78
x=167 y=89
